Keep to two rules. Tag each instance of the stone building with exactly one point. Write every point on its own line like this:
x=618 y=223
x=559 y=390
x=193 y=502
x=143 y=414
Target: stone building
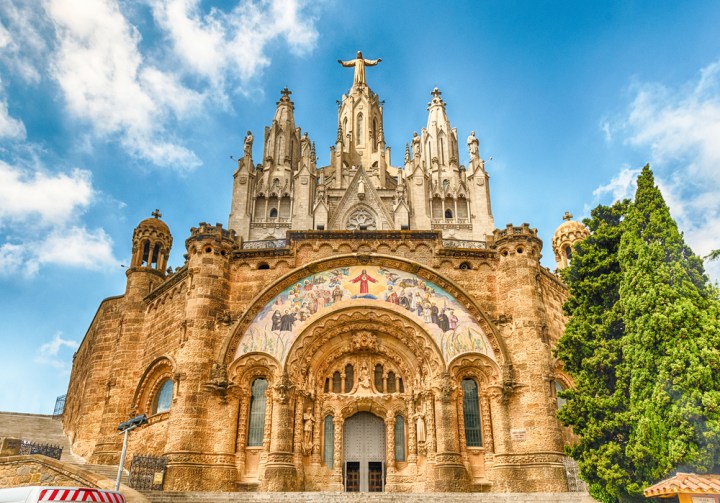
x=357 y=327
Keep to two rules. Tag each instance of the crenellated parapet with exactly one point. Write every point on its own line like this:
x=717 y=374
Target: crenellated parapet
x=514 y=239
x=208 y=238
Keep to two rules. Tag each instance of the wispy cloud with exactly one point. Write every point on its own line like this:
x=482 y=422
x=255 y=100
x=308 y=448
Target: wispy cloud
x=680 y=130
x=52 y=354
x=37 y=220
x=10 y=127
x=229 y=48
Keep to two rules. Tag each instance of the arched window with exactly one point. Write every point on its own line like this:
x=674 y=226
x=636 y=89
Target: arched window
x=568 y=253
x=329 y=441
x=327 y=385
x=156 y=254
x=146 y=253
x=336 y=382
x=399 y=438
x=559 y=388
x=448 y=214
x=375 y=134
x=273 y=213
x=391 y=382
x=379 y=378
x=471 y=413
x=349 y=378
x=401 y=388
x=163 y=399
x=256 y=426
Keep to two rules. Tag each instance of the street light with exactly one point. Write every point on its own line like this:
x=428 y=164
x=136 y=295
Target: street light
x=126 y=427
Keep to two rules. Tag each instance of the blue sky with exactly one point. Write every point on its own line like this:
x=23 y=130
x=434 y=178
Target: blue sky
x=110 y=109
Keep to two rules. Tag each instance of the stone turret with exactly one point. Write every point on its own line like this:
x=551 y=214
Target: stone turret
x=566 y=236
x=151 y=245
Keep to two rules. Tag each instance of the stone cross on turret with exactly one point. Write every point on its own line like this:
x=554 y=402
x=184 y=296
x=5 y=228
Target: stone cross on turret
x=567 y=216
x=156 y=213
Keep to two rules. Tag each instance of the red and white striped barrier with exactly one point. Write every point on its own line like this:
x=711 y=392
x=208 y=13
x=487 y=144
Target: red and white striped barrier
x=80 y=494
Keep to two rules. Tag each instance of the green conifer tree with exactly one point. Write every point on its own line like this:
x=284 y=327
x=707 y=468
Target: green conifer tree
x=590 y=351
x=671 y=347
x=643 y=346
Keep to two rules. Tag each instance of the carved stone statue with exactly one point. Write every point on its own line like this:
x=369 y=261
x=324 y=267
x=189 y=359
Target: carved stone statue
x=248 y=144
x=416 y=145
x=359 y=63
x=420 y=427
x=473 y=145
x=308 y=420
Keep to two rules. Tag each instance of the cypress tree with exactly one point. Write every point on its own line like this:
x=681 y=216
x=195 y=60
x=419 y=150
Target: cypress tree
x=671 y=347
x=643 y=346
x=590 y=351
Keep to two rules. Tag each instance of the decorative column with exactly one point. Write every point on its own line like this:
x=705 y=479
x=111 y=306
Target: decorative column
x=336 y=482
x=240 y=438
x=450 y=473
x=412 y=432
x=280 y=472
x=299 y=435
x=390 y=443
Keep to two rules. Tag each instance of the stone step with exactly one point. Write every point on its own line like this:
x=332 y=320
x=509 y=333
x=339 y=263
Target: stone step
x=324 y=497
x=38 y=428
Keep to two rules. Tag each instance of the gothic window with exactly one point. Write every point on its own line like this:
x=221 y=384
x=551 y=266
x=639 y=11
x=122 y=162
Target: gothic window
x=256 y=426
x=361 y=219
x=349 y=378
x=379 y=377
x=471 y=413
x=280 y=146
x=399 y=438
x=391 y=382
x=359 y=132
x=336 y=382
x=273 y=213
x=163 y=399
x=446 y=184
x=329 y=441
x=327 y=385
x=559 y=388
x=401 y=388
x=345 y=131
x=448 y=214
x=375 y=134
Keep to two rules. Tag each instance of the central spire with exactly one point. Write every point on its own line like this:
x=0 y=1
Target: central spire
x=359 y=63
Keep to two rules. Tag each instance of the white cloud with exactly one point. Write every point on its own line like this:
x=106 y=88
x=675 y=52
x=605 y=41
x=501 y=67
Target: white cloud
x=50 y=352
x=22 y=41
x=622 y=185
x=78 y=247
x=10 y=127
x=680 y=130
x=230 y=46
x=31 y=194
x=106 y=81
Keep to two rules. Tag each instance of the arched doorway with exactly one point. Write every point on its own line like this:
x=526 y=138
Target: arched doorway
x=364 y=453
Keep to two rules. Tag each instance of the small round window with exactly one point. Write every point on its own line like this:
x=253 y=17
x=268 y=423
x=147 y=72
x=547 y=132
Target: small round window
x=163 y=399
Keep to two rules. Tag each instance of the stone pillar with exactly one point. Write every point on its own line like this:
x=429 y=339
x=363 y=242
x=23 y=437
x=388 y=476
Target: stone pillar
x=280 y=472
x=336 y=483
x=412 y=433
x=450 y=472
x=240 y=438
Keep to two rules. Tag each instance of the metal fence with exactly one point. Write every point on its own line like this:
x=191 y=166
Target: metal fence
x=572 y=471
x=59 y=406
x=147 y=473
x=51 y=451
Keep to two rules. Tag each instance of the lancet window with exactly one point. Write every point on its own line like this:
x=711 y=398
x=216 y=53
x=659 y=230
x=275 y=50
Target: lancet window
x=329 y=444
x=399 y=438
x=256 y=426
x=471 y=413
x=349 y=378
x=379 y=378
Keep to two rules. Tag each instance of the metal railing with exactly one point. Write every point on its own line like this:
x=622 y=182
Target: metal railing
x=147 y=473
x=30 y=447
x=59 y=406
x=461 y=243
x=265 y=244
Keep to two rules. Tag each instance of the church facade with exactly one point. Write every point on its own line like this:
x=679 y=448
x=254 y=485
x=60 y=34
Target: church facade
x=357 y=326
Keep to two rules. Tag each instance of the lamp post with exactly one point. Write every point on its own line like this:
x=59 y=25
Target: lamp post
x=124 y=429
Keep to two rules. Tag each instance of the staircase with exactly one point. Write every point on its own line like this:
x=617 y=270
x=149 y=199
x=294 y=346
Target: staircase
x=46 y=430
x=324 y=497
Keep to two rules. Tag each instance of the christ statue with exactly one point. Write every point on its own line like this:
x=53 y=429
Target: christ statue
x=359 y=63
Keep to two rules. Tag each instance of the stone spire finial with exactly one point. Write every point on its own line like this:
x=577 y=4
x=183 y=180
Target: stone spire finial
x=285 y=94
x=567 y=216
x=156 y=213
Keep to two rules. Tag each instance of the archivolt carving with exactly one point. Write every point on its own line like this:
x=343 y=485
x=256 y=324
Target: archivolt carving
x=160 y=369
x=252 y=366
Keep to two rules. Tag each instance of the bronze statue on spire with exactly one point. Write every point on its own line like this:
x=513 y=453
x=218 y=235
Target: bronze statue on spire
x=359 y=63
